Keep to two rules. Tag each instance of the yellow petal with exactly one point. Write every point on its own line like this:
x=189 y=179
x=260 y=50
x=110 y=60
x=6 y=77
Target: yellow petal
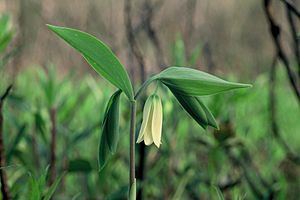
x=146 y=113
x=148 y=139
x=157 y=118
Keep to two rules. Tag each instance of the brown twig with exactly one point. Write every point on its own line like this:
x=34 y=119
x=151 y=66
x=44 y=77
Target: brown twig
x=273 y=114
x=292 y=7
x=152 y=34
x=244 y=162
x=134 y=48
x=294 y=35
x=207 y=54
x=52 y=167
x=275 y=32
x=3 y=176
x=191 y=6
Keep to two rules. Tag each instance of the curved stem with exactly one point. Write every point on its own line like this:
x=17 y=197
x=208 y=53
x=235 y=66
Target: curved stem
x=143 y=87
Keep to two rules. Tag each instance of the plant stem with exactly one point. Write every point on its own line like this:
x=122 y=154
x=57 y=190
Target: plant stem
x=132 y=143
x=3 y=176
x=52 y=170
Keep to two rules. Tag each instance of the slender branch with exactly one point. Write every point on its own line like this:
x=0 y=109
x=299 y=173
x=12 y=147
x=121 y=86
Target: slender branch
x=240 y=162
x=294 y=36
x=292 y=7
x=150 y=31
x=132 y=142
x=52 y=168
x=273 y=114
x=6 y=93
x=3 y=176
x=275 y=32
x=134 y=48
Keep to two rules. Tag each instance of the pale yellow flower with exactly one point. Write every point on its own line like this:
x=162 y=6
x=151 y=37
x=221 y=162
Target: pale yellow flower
x=152 y=121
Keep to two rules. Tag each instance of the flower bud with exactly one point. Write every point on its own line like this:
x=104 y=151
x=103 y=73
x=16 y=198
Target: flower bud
x=152 y=121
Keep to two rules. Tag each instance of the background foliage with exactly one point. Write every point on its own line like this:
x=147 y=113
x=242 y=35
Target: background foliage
x=243 y=160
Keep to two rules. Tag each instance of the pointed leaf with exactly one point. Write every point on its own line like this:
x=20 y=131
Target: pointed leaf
x=53 y=188
x=110 y=129
x=104 y=152
x=196 y=109
x=219 y=193
x=192 y=107
x=210 y=118
x=193 y=82
x=98 y=55
x=34 y=192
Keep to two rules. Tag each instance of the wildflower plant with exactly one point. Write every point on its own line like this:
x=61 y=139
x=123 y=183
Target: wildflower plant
x=186 y=84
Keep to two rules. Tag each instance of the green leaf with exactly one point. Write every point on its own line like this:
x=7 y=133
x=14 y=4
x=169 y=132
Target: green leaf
x=104 y=152
x=192 y=107
x=98 y=55
x=79 y=165
x=4 y=25
x=211 y=121
x=34 y=192
x=49 y=83
x=110 y=129
x=196 y=109
x=121 y=193
x=195 y=55
x=132 y=192
x=53 y=188
x=219 y=193
x=111 y=121
x=179 y=51
x=14 y=145
x=5 y=40
x=193 y=82
x=6 y=33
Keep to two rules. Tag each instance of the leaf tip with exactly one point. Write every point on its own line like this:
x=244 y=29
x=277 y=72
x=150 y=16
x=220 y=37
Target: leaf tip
x=244 y=85
x=51 y=27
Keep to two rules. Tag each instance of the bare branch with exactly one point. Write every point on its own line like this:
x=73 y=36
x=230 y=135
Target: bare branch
x=292 y=7
x=6 y=93
x=132 y=40
x=150 y=31
x=3 y=176
x=275 y=32
x=273 y=114
x=294 y=36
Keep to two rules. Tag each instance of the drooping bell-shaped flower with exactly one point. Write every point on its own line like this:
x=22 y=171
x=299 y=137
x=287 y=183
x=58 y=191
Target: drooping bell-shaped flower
x=152 y=121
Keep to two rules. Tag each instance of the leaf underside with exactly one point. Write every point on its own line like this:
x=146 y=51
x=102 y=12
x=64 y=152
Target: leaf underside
x=196 y=109
x=110 y=130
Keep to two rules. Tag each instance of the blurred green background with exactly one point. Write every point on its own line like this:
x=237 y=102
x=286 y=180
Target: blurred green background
x=229 y=38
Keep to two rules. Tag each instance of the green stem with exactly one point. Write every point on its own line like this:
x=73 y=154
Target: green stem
x=132 y=143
